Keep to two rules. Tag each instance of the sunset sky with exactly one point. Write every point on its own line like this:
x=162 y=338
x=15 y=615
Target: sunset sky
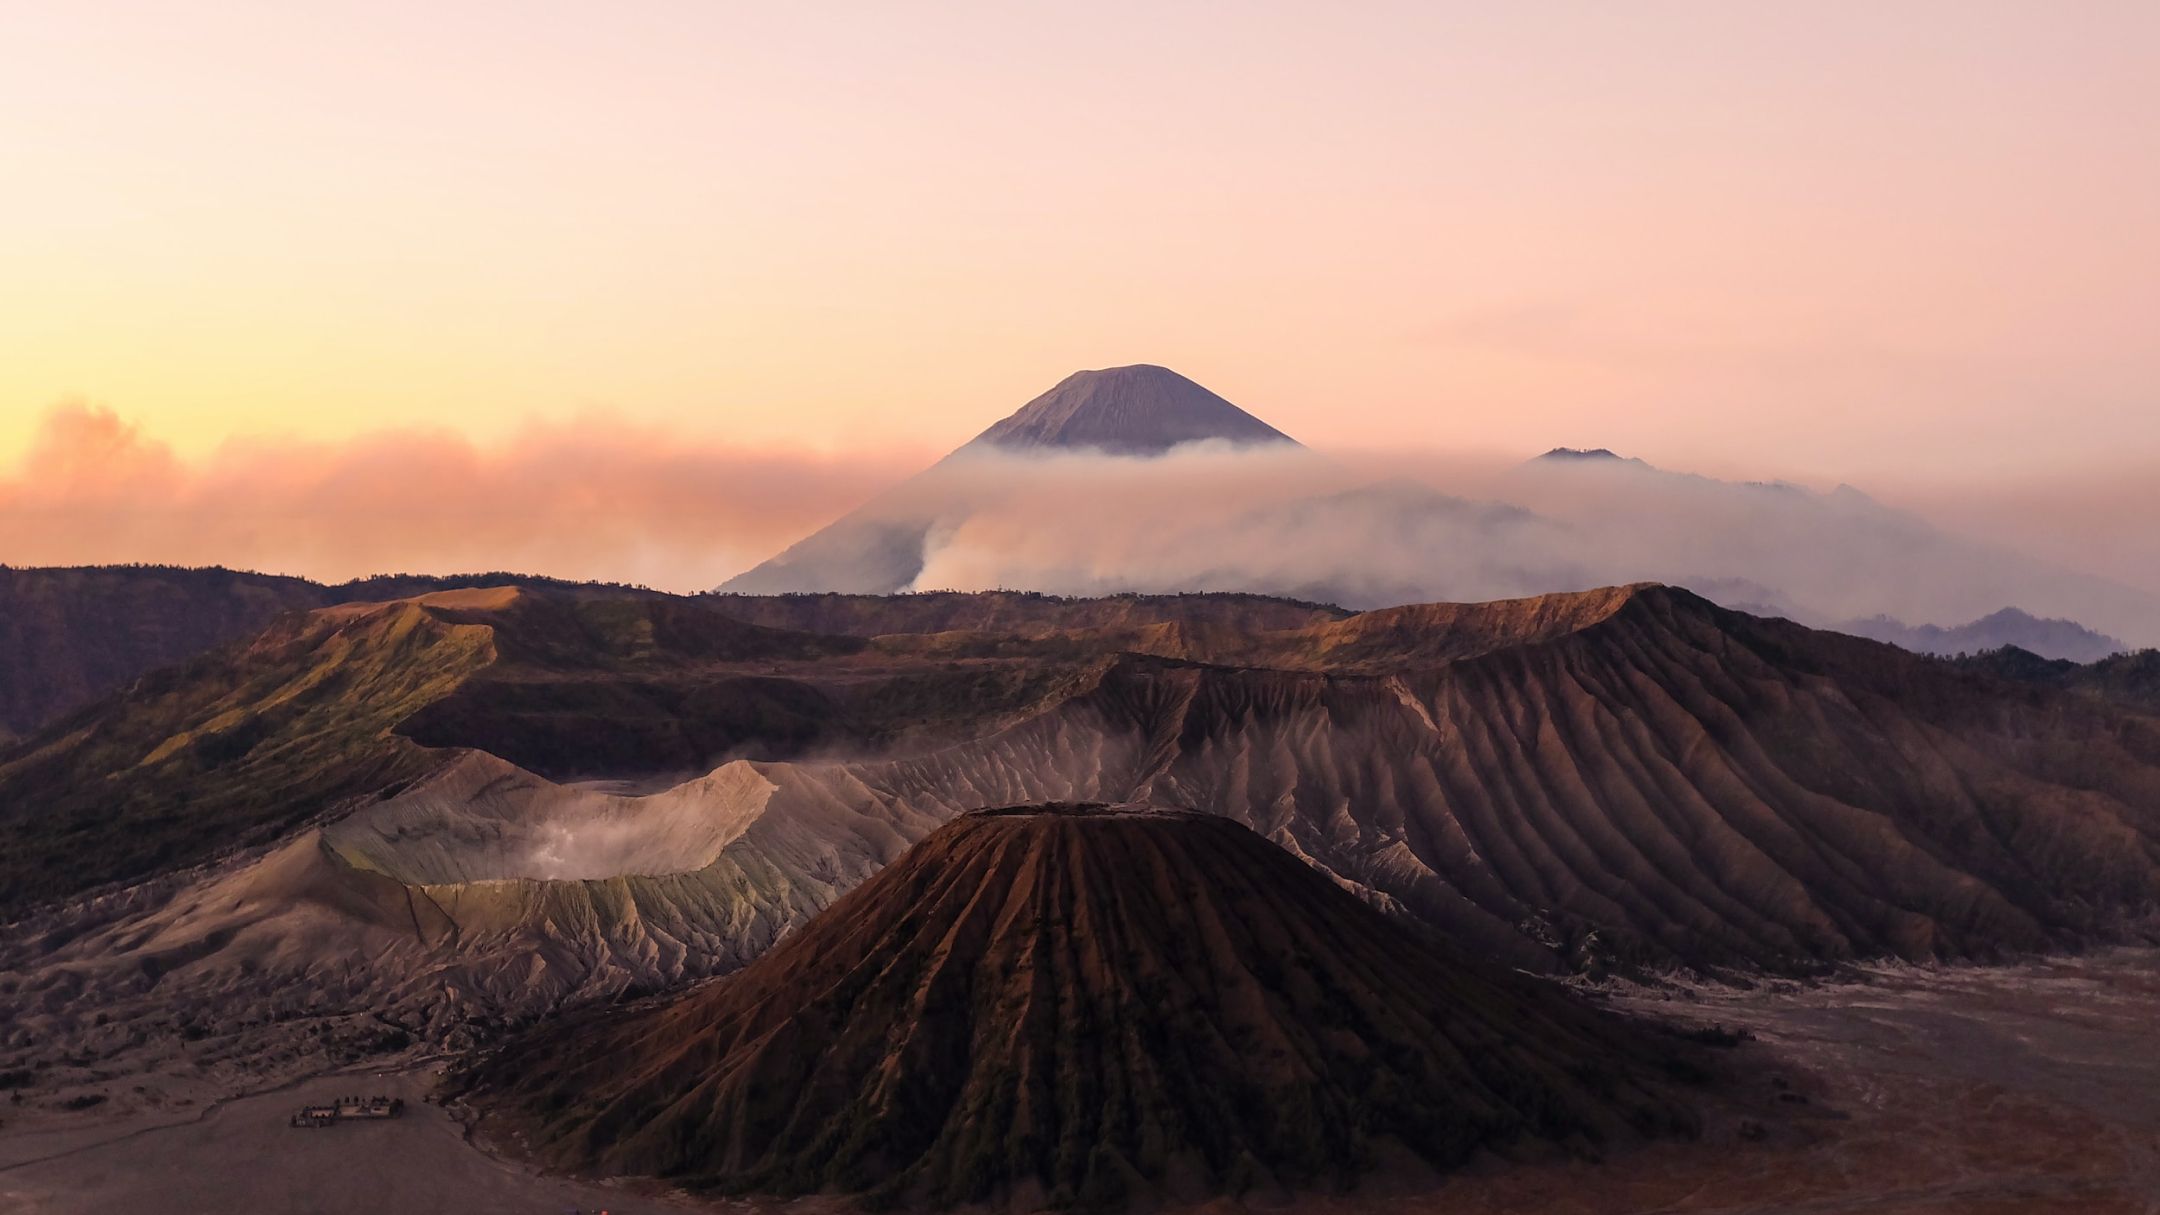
x=1908 y=244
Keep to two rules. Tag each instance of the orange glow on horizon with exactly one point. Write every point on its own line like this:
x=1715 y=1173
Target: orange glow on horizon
x=1823 y=242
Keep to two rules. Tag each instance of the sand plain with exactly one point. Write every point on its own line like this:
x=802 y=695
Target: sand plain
x=2026 y=1089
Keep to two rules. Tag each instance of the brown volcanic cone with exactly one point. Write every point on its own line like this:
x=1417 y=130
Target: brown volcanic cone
x=1072 y=1006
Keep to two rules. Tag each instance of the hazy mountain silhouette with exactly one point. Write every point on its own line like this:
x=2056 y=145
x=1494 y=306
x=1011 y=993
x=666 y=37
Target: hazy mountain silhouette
x=2048 y=638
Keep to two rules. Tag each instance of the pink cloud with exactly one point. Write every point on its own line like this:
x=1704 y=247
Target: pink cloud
x=596 y=497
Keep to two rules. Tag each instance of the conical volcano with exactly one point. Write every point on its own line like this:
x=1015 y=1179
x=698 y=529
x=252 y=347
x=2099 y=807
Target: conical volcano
x=1078 y=1006
x=881 y=546
x=1129 y=411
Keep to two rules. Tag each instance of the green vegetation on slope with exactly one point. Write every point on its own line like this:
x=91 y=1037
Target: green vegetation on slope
x=227 y=751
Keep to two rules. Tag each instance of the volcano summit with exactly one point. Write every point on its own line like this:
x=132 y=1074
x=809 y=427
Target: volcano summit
x=1141 y=410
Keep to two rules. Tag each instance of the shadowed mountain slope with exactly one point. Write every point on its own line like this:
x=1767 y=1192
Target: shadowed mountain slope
x=69 y=636
x=1082 y=1006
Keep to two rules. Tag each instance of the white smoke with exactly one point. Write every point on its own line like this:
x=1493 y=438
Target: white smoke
x=1372 y=530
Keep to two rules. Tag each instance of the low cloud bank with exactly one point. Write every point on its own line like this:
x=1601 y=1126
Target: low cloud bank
x=594 y=498
x=1366 y=531
x=599 y=499
x=1287 y=521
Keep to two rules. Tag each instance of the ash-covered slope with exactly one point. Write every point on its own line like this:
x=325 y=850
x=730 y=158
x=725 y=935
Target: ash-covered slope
x=1067 y=1006
x=1646 y=776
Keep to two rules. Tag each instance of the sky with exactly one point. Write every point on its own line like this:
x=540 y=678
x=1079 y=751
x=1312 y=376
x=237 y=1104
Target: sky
x=1914 y=246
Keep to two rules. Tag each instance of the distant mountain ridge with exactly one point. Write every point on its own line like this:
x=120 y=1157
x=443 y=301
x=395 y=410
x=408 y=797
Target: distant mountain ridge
x=2047 y=637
